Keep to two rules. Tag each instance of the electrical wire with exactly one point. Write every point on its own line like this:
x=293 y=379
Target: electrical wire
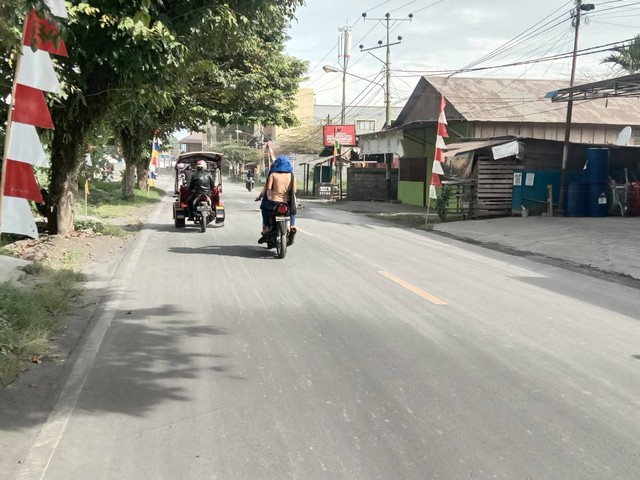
x=585 y=51
x=517 y=39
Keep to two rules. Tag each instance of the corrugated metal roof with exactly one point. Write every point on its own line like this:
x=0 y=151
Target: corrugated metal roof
x=522 y=100
x=196 y=137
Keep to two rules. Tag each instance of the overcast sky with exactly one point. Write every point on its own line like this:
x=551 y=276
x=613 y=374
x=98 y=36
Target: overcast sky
x=450 y=35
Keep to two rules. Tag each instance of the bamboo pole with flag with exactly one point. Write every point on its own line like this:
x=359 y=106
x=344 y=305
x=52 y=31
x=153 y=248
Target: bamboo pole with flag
x=438 y=158
x=154 y=162
x=334 y=161
x=271 y=157
x=28 y=109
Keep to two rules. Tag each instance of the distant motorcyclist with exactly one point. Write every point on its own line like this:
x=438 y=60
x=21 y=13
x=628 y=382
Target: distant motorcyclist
x=249 y=180
x=201 y=181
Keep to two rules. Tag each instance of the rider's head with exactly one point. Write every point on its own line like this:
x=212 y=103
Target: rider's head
x=201 y=165
x=282 y=164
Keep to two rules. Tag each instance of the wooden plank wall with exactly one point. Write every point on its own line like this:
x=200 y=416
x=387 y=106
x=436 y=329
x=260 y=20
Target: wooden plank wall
x=495 y=187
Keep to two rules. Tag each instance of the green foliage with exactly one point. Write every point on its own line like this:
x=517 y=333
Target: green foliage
x=141 y=65
x=233 y=152
x=29 y=316
x=627 y=57
x=301 y=139
x=99 y=227
x=442 y=202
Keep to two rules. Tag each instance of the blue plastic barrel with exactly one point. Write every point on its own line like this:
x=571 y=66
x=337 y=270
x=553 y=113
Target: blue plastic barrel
x=577 y=199
x=597 y=199
x=597 y=165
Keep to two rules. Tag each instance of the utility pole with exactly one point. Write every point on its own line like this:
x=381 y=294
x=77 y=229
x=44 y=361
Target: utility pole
x=345 y=32
x=345 y=41
x=387 y=94
x=567 y=128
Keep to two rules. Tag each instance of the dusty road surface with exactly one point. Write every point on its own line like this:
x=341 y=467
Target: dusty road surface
x=369 y=352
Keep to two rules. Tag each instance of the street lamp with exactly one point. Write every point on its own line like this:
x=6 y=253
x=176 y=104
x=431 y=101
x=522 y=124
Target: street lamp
x=332 y=69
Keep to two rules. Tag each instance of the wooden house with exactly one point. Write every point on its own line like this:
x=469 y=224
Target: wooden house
x=486 y=109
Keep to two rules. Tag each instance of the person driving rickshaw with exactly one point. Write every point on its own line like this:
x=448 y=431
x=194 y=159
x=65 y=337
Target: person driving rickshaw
x=197 y=174
x=201 y=181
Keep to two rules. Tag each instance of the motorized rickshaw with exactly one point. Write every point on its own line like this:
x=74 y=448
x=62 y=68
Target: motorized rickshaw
x=208 y=206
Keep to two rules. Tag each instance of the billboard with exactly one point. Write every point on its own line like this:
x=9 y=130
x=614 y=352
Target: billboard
x=344 y=134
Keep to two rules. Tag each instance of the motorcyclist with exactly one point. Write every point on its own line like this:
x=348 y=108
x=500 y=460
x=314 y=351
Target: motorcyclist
x=201 y=181
x=278 y=188
x=250 y=178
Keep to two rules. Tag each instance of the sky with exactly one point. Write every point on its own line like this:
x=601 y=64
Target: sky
x=447 y=35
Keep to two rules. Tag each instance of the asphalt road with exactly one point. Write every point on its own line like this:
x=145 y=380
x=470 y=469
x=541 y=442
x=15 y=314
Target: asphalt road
x=369 y=352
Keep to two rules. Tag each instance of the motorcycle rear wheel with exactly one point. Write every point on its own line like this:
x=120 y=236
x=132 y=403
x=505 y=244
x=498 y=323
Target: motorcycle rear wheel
x=281 y=240
x=203 y=223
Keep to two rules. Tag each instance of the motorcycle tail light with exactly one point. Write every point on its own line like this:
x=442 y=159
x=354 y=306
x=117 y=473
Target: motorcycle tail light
x=282 y=208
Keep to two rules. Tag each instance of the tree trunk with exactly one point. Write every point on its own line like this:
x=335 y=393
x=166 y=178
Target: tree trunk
x=142 y=173
x=132 y=144
x=66 y=154
x=128 y=181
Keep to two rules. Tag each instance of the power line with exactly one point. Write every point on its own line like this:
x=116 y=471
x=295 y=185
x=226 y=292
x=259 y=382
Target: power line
x=518 y=38
x=428 y=6
x=586 y=51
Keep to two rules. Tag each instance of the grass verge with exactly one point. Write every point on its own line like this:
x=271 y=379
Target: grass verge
x=30 y=313
x=105 y=200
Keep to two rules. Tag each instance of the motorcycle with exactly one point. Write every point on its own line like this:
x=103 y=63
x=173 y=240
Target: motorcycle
x=249 y=183
x=203 y=211
x=279 y=236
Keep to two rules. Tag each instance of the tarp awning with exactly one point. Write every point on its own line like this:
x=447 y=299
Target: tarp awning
x=454 y=149
x=382 y=142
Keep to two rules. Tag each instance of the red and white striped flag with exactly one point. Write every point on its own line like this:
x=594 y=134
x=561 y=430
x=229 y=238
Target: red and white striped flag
x=21 y=182
x=34 y=75
x=40 y=32
x=57 y=7
x=441 y=134
x=37 y=71
x=25 y=146
x=30 y=107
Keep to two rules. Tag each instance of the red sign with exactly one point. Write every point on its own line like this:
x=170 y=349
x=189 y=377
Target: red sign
x=344 y=134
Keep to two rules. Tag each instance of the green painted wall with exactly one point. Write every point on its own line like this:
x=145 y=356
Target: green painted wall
x=421 y=143
x=417 y=144
x=411 y=193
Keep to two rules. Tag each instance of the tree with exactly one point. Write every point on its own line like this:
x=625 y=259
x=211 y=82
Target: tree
x=627 y=57
x=137 y=45
x=305 y=138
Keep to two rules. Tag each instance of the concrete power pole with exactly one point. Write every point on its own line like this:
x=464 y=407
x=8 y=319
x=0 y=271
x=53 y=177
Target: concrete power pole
x=567 y=129
x=345 y=41
x=387 y=94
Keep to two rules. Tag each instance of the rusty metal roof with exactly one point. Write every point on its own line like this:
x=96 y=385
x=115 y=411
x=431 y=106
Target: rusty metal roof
x=522 y=100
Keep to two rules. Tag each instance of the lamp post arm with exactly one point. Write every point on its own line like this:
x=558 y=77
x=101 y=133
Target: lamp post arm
x=365 y=79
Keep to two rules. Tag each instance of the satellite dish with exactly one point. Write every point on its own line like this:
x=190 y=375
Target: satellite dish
x=623 y=137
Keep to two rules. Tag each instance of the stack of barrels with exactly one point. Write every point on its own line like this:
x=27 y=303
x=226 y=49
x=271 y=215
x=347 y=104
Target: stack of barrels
x=589 y=198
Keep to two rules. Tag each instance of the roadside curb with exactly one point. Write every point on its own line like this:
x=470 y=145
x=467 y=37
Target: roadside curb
x=621 y=278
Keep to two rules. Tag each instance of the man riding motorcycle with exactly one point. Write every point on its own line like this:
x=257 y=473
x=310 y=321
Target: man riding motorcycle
x=279 y=187
x=202 y=180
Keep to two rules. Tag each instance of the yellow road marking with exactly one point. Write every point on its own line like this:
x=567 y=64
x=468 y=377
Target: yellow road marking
x=305 y=232
x=413 y=288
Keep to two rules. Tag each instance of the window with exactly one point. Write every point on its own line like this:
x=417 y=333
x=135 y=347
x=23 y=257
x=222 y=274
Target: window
x=365 y=125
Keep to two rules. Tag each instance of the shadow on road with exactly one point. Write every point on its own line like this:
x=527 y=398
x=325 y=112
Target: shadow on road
x=146 y=358
x=169 y=227
x=244 y=251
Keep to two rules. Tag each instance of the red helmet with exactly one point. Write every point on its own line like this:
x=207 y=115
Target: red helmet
x=201 y=165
